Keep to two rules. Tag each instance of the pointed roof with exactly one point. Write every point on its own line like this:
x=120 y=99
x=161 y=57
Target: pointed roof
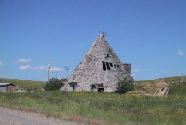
x=101 y=49
x=100 y=65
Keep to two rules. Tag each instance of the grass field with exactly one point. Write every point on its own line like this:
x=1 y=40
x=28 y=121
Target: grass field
x=104 y=108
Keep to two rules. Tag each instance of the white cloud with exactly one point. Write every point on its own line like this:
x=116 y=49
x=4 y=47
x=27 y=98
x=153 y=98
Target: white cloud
x=40 y=68
x=24 y=61
x=56 y=69
x=25 y=64
x=180 y=53
x=25 y=67
x=136 y=70
x=1 y=63
x=52 y=69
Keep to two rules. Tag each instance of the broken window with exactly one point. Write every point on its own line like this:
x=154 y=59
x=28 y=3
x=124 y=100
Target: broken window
x=93 y=86
x=104 y=66
x=73 y=85
x=107 y=56
x=111 y=65
x=107 y=64
x=162 y=89
x=100 y=87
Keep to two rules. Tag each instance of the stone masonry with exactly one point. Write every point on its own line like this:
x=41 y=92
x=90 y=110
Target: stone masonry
x=100 y=70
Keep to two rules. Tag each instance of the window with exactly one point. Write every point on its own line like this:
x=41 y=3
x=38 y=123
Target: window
x=111 y=65
x=107 y=64
x=104 y=66
x=107 y=56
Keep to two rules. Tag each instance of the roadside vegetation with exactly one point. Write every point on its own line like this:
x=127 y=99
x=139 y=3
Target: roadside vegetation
x=125 y=85
x=54 y=84
x=105 y=108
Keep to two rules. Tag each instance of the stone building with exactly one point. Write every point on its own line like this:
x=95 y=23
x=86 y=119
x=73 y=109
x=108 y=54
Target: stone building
x=100 y=70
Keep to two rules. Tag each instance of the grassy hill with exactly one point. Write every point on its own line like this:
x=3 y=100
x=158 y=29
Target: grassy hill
x=174 y=79
x=25 y=84
x=151 y=86
x=106 y=108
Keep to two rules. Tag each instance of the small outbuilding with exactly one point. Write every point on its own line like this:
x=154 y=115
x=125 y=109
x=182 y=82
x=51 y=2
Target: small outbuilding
x=7 y=87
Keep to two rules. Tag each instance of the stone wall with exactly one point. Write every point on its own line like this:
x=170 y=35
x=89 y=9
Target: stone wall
x=100 y=66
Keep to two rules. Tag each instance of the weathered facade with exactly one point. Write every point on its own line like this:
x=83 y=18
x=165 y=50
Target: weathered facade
x=100 y=70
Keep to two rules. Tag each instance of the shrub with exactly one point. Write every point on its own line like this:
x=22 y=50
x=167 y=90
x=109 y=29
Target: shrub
x=54 y=84
x=125 y=85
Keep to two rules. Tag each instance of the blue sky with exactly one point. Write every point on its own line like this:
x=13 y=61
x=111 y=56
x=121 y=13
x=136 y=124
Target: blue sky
x=149 y=34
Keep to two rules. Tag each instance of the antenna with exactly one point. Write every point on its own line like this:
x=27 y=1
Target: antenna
x=182 y=78
x=49 y=72
x=49 y=68
x=101 y=29
x=67 y=68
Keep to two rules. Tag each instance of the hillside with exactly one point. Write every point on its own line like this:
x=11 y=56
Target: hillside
x=25 y=84
x=166 y=79
x=152 y=86
x=105 y=108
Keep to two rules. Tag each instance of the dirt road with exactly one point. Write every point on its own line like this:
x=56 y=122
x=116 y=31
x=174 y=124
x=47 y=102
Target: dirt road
x=15 y=117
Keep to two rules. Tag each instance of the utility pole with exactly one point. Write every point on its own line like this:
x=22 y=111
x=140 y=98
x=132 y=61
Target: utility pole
x=49 y=73
x=182 y=78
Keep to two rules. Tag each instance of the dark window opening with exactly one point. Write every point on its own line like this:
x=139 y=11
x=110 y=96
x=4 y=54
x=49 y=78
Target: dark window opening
x=162 y=89
x=111 y=65
x=104 y=66
x=114 y=65
x=107 y=56
x=100 y=89
x=118 y=66
x=73 y=85
x=107 y=64
x=93 y=86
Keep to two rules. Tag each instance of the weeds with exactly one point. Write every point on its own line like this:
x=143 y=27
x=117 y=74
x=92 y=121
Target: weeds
x=104 y=108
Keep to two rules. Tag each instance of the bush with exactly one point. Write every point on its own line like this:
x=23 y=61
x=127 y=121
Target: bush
x=54 y=84
x=125 y=85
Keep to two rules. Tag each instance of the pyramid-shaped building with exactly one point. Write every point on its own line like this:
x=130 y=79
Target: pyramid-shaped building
x=100 y=69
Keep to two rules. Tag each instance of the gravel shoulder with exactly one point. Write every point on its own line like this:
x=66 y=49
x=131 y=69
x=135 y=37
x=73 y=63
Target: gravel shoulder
x=16 y=117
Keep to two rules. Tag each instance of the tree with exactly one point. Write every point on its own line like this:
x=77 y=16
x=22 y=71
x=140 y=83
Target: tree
x=54 y=84
x=125 y=85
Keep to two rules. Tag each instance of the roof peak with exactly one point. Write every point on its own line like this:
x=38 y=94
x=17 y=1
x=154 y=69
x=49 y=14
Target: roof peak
x=102 y=35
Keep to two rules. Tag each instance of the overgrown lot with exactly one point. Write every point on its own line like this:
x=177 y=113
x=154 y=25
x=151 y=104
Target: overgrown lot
x=104 y=108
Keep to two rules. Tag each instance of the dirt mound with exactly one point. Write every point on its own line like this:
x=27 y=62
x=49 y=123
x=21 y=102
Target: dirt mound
x=160 y=88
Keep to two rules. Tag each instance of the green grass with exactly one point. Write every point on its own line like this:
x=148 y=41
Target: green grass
x=104 y=108
x=25 y=84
